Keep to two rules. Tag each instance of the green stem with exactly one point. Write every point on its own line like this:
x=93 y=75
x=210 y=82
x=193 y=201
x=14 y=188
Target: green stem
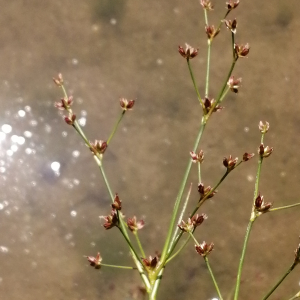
x=226 y=80
x=295 y=296
x=213 y=278
x=194 y=82
x=284 y=207
x=238 y=280
x=199 y=172
x=209 y=268
x=179 y=196
x=253 y=217
x=182 y=213
x=207 y=67
x=115 y=127
x=139 y=244
x=290 y=269
x=119 y=267
x=179 y=250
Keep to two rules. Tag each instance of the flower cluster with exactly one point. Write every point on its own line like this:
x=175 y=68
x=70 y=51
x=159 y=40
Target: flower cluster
x=188 y=53
x=234 y=84
x=204 y=249
x=209 y=104
x=95 y=261
x=260 y=205
x=98 y=147
x=135 y=225
x=229 y=163
x=264 y=151
x=150 y=263
x=111 y=220
x=205 y=192
x=197 y=157
x=192 y=223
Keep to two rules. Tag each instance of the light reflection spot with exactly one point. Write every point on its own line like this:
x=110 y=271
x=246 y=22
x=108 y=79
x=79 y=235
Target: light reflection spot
x=2 y=136
x=9 y=152
x=1 y=206
x=113 y=21
x=14 y=148
x=28 y=134
x=28 y=151
x=75 y=61
x=6 y=128
x=250 y=178
x=82 y=121
x=75 y=153
x=55 y=166
x=246 y=129
x=22 y=113
x=27 y=108
x=2 y=170
x=3 y=249
x=73 y=213
x=33 y=122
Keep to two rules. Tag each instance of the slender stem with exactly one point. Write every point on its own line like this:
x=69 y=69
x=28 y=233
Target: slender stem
x=295 y=296
x=156 y=285
x=116 y=126
x=130 y=245
x=179 y=250
x=205 y=16
x=139 y=244
x=213 y=277
x=182 y=213
x=194 y=82
x=207 y=67
x=119 y=267
x=199 y=172
x=177 y=238
x=238 y=280
x=284 y=207
x=209 y=268
x=234 y=60
x=289 y=270
x=179 y=196
x=253 y=217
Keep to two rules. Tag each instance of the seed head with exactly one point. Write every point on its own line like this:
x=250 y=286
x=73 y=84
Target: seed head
x=234 y=84
x=231 y=25
x=260 y=205
x=206 y=4
x=70 y=119
x=265 y=151
x=133 y=225
x=241 y=50
x=189 y=52
x=197 y=157
x=126 y=104
x=229 y=163
x=204 y=249
x=95 y=261
x=263 y=127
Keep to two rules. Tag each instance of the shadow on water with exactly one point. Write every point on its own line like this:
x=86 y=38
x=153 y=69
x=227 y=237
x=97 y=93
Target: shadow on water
x=51 y=190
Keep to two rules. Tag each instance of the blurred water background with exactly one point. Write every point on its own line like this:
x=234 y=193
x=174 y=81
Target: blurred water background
x=52 y=193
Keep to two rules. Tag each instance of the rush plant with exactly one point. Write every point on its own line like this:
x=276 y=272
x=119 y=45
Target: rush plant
x=182 y=226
